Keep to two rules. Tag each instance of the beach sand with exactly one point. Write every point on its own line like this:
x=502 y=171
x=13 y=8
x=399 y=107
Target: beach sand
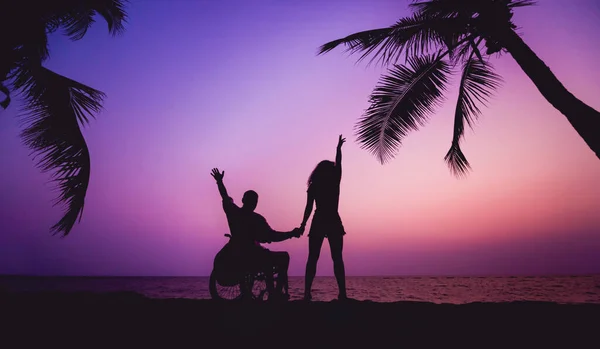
x=129 y=320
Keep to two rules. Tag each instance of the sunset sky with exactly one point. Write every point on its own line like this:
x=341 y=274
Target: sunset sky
x=237 y=85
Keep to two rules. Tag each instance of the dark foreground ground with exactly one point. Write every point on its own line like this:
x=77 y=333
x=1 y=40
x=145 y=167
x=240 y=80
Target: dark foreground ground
x=126 y=320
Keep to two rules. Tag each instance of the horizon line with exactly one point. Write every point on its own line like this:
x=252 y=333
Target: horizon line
x=318 y=276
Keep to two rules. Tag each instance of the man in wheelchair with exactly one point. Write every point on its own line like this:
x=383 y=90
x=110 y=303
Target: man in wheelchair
x=248 y=230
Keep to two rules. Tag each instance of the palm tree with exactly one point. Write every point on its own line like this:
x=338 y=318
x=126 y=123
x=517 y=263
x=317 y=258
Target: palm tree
x=437 y=37
x=54 y=106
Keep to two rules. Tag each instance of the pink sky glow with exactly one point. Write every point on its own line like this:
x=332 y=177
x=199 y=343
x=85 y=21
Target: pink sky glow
x=197 y=85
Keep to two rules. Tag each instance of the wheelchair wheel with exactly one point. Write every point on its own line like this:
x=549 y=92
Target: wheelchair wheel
x=253 y=285
x=258 y=285
x=227 y=291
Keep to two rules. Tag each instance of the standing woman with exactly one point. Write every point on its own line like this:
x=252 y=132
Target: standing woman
x=324 y=189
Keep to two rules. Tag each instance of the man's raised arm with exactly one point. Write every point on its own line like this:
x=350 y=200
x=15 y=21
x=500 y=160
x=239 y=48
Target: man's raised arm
x=218 y=176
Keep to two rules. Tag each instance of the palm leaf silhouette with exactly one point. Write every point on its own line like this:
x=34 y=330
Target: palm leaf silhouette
x=414 y=35
x=76 y=17
x=478 y=81
x=55 y=107
x=401 y=102
x=6 y=101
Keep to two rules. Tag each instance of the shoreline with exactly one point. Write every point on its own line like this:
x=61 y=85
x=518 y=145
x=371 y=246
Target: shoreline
x=449 y=276
x=88 y=319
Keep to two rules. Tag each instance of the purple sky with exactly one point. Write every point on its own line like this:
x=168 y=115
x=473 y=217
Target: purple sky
x=194 y=85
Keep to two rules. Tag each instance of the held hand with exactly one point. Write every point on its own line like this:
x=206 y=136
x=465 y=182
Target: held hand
x=302 y=227
x=341 y=141
x=297 y=232
x=218 y=176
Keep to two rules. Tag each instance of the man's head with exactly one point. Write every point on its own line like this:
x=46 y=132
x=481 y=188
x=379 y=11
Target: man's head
x=250 y=200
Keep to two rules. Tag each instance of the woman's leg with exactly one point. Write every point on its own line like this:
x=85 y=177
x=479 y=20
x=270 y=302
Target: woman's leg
x=336 y=245
x=314 y=250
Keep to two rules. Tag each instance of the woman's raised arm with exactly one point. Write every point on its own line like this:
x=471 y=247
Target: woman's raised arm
x=338 y=155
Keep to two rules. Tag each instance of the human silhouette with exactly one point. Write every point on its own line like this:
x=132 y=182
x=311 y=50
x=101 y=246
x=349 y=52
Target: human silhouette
x=248 y=230
x=324 y=190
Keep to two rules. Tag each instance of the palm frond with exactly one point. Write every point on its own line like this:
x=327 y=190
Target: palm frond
x=461 y=53
x=521 y=3
x=463 y=8
x=76 y=16
x=465 y=50
x=478 y=82
x=401 y=102
x=114 y=13
x=475 y=48
x=367 y=41
x=54 y=108
x=414 y=35
x=6 y=101
x=76 y=22
x=446 y=8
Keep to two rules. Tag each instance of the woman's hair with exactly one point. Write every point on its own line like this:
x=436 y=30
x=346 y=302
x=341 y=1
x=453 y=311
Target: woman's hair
x=323 y=172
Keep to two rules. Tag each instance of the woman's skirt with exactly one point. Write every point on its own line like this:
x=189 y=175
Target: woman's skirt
x=326 y=224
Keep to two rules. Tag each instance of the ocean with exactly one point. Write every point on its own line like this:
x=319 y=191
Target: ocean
x=457 y=290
